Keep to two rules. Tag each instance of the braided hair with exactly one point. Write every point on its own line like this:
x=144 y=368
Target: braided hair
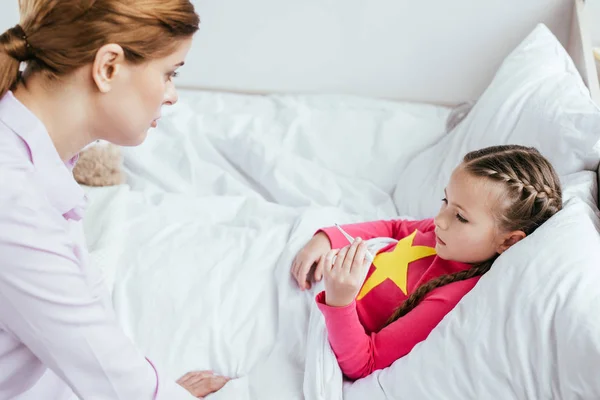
x=532 y=195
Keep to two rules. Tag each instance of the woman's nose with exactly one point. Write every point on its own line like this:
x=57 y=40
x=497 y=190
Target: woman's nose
x=171 y=96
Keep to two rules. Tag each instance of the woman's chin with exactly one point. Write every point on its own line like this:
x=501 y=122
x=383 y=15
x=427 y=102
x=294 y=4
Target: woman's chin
x=141 y=138
x=134 y=141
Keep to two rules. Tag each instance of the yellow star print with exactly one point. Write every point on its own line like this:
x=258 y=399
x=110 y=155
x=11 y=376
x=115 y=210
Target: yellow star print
x=394 y=265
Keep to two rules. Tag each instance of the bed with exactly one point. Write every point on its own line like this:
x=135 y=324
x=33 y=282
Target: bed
x=311 y=117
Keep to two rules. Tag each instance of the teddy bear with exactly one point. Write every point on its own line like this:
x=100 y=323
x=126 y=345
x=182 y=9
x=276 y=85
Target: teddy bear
x=458 y=113
x=99 y=164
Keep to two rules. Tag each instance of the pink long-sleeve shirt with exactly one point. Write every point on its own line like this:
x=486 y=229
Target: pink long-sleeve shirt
x=358 y=333
x=59 y=336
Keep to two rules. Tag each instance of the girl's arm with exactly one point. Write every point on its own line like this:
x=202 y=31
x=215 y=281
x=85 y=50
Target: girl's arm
x=396 y=229
x=359 y=353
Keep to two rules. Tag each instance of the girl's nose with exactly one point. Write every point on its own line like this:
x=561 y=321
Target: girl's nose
x=441 y=221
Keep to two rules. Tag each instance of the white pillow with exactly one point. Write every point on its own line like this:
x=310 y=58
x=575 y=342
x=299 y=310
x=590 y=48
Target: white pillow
x=537 y=98
x=530 y=329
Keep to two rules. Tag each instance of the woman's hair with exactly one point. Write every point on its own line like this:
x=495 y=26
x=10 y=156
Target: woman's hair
x=532 y=194
x=56 y=37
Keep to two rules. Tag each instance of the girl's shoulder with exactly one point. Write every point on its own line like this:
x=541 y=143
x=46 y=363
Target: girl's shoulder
x=454 y=291
x=409 y=226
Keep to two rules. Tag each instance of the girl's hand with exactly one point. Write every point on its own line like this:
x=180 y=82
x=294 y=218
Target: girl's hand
x=202 y=383
x=345 y=276
x=310 y=255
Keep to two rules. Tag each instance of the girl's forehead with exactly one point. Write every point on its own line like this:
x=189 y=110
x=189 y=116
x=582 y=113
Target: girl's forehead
x=474 y=192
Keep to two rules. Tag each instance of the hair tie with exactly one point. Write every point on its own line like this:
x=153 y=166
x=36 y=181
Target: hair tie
x=18 y=31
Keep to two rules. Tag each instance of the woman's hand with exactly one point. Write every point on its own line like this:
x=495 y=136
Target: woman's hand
x=311 y=254
x=202 y=383
x=345 y=276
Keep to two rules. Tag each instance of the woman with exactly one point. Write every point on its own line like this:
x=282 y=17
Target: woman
x=94 y=70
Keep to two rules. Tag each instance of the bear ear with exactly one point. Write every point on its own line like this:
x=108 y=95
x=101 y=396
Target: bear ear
x=457 y=114
x=99 y=164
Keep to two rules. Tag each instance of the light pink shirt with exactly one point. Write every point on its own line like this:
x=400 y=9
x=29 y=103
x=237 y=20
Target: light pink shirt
x=59 y=337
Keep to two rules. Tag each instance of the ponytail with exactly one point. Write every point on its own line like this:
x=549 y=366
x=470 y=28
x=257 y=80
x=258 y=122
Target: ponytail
x=13 y=50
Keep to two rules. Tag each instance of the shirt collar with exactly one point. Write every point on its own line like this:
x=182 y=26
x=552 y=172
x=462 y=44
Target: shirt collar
x=53 y=175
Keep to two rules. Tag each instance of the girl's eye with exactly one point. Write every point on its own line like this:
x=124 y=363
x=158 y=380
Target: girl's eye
x=172 y=75
x=461 y=219
x=445 y=200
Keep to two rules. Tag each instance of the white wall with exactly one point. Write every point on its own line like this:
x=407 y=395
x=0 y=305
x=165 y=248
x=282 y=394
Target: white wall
x=234 y=50
x=9 y=14
x=437 y=51
x=594 y=13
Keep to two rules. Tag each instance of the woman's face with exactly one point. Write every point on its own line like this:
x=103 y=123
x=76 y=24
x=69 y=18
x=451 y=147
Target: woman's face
x=130 y=103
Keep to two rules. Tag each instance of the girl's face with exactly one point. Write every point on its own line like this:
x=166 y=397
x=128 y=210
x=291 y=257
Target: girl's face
x=466 y=229
x=134 y=96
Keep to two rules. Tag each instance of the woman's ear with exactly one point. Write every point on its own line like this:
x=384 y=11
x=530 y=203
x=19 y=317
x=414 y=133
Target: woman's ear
x=107 y=64
x=509 y=239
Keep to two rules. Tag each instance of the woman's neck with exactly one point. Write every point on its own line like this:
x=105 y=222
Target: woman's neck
x=62 y=110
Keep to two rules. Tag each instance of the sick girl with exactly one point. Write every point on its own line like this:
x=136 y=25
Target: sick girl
x=377 y=312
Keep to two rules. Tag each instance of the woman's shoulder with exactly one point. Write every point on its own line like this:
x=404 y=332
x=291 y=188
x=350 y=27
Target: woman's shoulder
x=32 y=232
x=14 y=153
x=24 y=204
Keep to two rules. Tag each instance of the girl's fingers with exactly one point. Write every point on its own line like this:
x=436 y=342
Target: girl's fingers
x=319 y=268
x=303 y=278
x=296 y=270
x=341 y=256
x=359 y=262
x=328 y=260
x=349 y=259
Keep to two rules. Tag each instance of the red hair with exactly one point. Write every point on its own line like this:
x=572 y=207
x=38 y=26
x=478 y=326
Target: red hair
x=56 y=37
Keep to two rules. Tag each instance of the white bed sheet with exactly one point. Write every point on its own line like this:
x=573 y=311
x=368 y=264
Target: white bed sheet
x=197 y=247
x=292 y=150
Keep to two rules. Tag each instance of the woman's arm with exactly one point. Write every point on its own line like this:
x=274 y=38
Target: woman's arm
x=46 y=302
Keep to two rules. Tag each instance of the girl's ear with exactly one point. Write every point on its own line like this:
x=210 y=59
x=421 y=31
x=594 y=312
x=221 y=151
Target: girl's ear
x=509 y=239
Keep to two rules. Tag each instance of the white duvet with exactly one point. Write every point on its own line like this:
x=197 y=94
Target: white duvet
x=197 y=248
